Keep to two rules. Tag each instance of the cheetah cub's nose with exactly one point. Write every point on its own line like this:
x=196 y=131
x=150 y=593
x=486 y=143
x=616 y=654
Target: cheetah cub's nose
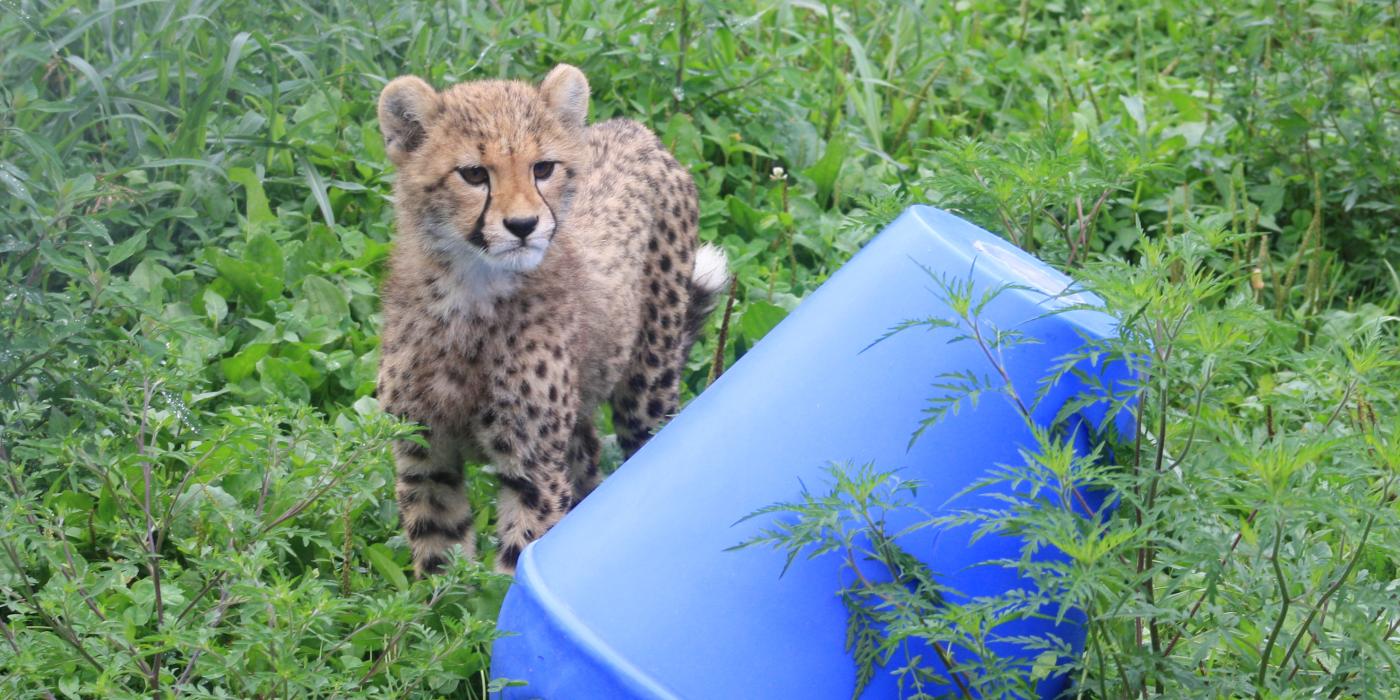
x=521 y=227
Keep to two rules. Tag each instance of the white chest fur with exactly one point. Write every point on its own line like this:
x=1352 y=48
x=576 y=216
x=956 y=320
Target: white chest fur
x=471 y=288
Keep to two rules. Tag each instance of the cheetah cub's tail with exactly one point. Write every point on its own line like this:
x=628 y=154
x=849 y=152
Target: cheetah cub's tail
x=707 y=281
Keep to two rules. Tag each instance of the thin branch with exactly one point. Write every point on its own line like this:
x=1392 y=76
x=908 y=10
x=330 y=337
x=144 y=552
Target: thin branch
x=943 y=655
x=398 y=634
x=1206 y=591
x=717 y=363
x=1282 y=613
x=1346 y=573
x=153 y=554
x=14 y=645
x=64 y=632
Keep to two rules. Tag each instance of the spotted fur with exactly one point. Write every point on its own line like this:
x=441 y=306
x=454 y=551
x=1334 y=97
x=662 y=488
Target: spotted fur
x=521 y=296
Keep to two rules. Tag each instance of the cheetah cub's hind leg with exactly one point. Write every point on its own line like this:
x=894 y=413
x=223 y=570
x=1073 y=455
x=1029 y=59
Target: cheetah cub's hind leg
x=584 y=452
x=433 y=501
x=671 y=320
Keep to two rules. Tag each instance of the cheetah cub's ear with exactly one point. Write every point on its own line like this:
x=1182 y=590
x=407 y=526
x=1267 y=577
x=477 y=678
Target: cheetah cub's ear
x=565 y=90
x=407 y=107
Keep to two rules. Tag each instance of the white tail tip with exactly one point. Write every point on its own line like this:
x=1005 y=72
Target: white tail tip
x=711 y=272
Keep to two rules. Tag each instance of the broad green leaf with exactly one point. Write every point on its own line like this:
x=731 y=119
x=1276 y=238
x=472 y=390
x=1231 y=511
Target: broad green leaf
x=279 y=376
x=827 y=170
x=759 y=318
x=1136 y=110
x=325 y=299
x=126 y=249
x=255 y=284
x=382 y=559
x=264 y=252
x=241 y=365
x=215 y=307
x=258 y=211
x=745 y=217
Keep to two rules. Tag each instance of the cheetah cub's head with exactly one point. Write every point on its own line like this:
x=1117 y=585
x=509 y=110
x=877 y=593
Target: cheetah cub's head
x=486 y=169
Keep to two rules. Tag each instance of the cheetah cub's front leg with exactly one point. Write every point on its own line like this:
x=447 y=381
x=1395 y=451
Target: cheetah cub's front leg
x=525 y=433
x=432 y=501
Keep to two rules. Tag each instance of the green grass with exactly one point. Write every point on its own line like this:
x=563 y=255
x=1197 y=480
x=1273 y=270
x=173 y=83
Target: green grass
x=195 y=217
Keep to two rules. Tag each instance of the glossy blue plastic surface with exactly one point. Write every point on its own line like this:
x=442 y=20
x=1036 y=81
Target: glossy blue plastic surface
x=634 y=594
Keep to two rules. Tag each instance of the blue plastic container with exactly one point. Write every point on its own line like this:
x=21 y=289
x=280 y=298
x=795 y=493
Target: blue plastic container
x=634 y=594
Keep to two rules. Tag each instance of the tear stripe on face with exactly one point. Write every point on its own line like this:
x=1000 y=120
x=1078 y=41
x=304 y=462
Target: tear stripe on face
x=555 y=227
x=478 y=235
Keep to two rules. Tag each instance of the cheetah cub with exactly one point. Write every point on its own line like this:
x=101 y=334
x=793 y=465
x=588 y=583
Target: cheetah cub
x=542 y=266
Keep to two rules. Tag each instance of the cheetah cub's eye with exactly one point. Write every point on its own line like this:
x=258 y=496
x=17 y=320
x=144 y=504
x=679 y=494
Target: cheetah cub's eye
x=544 y=169
x=474 y=175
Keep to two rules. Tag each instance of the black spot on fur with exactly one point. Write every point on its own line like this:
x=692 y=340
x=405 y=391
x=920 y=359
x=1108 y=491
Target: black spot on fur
x=413 y=449
x=654 y=408
x=427 y=527
x=524 y=489
x=424 y=477
x=666 y=378
x=432 y=564
x=451 y=478
x=510 y=555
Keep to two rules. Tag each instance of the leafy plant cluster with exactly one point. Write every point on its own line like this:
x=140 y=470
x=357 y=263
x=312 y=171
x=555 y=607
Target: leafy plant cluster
x=196 y=213
x=1253 y=543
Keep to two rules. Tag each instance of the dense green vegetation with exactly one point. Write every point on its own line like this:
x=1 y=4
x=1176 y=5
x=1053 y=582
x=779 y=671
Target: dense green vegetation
x=195 y=216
